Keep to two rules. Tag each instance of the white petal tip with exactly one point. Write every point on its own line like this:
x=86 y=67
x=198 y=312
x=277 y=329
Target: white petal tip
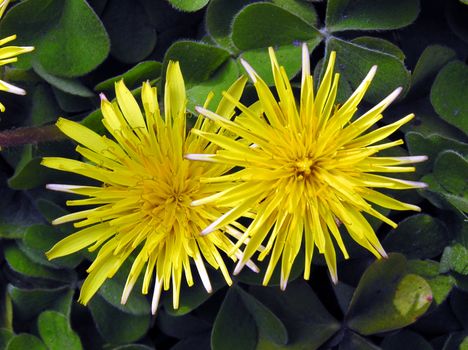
x=372 y=71
x=283 y=283
x=199 y=156
x=103 y=97
x=382 y=252
x=206 y=231
x=197 y=203
x=61 y=188
x=250 y=71
x=395 y=94
x=13 y=89
x=240 y=265
x=200 y=110
x=419 y=159
x=334 y=278
x=126 y=292
x=156 y=295
x=305 y=60
x=125 y=295
x=415 y=184
x=251 y=265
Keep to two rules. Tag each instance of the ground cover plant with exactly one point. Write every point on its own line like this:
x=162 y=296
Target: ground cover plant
x=234 y=107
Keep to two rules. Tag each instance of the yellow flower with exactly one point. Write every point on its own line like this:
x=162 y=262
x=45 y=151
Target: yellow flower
x=8 y=55
x=148 y=185
x=305 y=170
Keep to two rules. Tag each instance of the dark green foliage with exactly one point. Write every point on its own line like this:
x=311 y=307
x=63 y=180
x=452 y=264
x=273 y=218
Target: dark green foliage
x=415 y=299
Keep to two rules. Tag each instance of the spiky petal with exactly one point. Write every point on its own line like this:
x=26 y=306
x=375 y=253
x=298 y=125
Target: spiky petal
x=313 y=168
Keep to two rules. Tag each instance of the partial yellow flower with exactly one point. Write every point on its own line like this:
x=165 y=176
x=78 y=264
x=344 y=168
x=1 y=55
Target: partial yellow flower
x=305 y=169
x=8 y=55
x=148 y=186
x=3 y=5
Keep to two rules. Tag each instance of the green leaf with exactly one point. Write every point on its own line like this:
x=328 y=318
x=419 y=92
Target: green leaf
x=436 y=194
x=111 y=292
x=460 y=306
x=259 y=18
x=5 y=337
x=405 y=340
x=256 y=279
x=446 y=186
x=134 y=77
x=455 y=258
x=132 y=37
x=29 y=173
x=71 y=103
x=353 y=341
x=418 y=237
x=370 y=14
x=343 y=293
x=354 y=61
x=268 y=324
x=427 y=122
x=308 y=323
x=44 y=106
x=201 y=341
x=29 y=303
x=51 y=211
x=387 y=297
x=456 y=15
x=431 y=61
x=303 y=10
x=68 y=85
x=431 y=146
x=16 y=212
x=219 y=82
x=133 y=347
x=115 y=325
x=219 y=15
x=448 y=94
x=197 y=61
x=234 y=327
x=441 y=285
x=25 y=341
x=191 y=298
x=69 y=38
x=456 y=341
x=6 y=307
x=381 y=45
x=56 y=332
x=20 y=263
x=188 y=5
x=450 y=171
x=181 y=326
x=40 y=238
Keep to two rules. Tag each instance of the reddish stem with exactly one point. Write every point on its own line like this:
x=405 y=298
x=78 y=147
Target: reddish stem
x=28 y=135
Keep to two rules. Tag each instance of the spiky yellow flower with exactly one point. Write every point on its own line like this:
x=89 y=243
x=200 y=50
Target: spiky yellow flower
x=148 y=186
x=305 y=170
x=8 y=55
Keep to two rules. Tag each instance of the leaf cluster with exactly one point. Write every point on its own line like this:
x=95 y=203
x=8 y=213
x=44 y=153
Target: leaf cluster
x=415 y=299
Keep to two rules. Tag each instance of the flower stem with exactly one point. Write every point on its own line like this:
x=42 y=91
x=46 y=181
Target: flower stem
x=29 y=135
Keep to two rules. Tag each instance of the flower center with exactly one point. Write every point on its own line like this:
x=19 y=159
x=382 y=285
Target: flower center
x=304 y=168
x=168 y=196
